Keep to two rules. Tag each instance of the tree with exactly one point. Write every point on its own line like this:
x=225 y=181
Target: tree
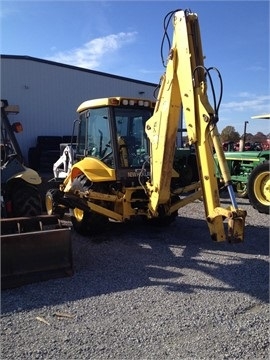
x=229 y=134
x=249 y=137
x=259 y=137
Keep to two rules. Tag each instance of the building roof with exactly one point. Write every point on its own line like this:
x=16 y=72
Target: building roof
x=72 y=67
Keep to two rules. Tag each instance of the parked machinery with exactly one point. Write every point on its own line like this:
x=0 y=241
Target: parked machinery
x=34 y=246
x=20 y=194
x=124 y=166
x=250 y=175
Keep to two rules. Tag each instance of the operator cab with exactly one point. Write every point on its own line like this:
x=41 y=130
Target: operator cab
x=114 y=133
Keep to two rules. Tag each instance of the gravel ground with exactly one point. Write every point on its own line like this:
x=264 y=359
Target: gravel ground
x=146 y=293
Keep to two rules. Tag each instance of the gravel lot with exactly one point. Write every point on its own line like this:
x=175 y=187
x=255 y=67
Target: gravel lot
x=148 y=293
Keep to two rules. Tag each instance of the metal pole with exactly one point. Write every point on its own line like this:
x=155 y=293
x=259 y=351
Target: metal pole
x=244 y=136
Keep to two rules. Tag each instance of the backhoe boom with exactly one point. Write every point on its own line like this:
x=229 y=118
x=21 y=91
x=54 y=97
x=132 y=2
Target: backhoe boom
x=183 y=86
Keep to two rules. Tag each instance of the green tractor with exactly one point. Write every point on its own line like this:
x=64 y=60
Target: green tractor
x=250 y=175
x=20 y=185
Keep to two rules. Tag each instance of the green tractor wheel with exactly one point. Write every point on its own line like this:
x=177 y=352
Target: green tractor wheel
x=241 y=190
x=259 y=188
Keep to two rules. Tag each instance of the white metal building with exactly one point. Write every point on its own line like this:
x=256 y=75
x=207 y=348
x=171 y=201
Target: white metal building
x=48 y=94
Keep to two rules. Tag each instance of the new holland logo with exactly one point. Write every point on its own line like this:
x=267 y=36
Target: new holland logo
x=138 y=172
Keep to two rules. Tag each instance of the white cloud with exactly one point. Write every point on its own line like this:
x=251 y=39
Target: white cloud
x=245 y=94
x=91 y=54
x=251 y=103
x=256 y=68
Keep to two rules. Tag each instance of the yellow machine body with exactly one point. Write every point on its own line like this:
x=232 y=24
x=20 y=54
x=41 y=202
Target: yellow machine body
x=125 y=159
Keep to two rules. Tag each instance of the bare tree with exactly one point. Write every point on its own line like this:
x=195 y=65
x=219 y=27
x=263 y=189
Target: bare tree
x=229 y=134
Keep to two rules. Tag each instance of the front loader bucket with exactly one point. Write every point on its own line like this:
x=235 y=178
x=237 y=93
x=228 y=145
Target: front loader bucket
x=34 y=249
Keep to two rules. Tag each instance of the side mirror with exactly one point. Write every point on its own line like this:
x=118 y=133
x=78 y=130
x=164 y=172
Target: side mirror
x=17 y=127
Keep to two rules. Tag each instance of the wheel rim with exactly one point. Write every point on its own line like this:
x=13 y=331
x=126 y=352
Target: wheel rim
x=262 y=188
x=241 y=189
x=78 y=214
x=49 y=205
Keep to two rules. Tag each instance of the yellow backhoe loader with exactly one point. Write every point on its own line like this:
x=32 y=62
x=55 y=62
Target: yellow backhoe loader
x=126 y=164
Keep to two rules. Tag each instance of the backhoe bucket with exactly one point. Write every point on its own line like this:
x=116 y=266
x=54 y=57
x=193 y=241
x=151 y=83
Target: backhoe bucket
x=34 y=249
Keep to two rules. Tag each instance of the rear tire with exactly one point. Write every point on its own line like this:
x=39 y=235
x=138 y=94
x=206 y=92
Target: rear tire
x=26 y=200
x=164 y=220
x=259 y=188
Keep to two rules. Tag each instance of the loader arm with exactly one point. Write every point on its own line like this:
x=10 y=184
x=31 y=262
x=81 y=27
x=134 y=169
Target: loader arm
x=183 y=86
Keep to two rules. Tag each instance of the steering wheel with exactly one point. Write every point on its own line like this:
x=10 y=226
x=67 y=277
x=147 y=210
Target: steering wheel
x=103 y=154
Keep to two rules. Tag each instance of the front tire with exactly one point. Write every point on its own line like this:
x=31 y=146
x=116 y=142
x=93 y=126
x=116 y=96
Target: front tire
x=26 y=200
x=52 y=203
x=81 y=221
x=259 y=188
x=86 y=222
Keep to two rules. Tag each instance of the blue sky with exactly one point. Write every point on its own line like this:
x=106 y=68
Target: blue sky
x=124 y=38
